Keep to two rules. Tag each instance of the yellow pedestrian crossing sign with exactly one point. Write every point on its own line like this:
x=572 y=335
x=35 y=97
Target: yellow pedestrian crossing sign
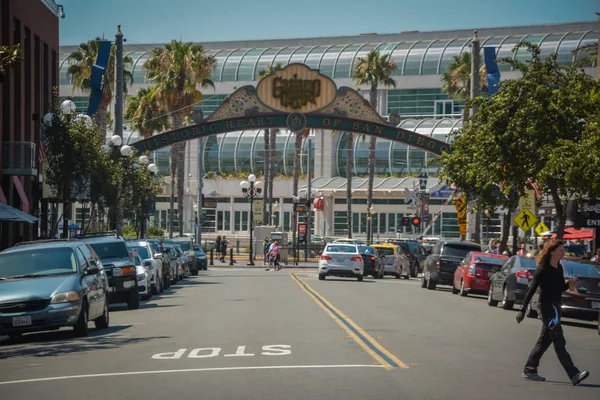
x=541 y=228
x=525 y=220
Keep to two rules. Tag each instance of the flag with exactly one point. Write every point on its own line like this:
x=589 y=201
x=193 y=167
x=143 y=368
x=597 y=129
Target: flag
x=41 y=152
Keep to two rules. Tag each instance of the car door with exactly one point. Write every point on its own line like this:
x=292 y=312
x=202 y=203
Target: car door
x=433 y=257
x=100 y=281
x=89 y=281
x=461 y=269
x=500 y=277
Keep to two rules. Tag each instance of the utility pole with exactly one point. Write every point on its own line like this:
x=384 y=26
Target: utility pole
x=308 y=200
x=475 y=92
x=200 y=152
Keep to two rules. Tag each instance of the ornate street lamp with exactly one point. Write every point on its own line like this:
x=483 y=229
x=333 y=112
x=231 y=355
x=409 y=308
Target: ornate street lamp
x=423 y=186
x=251 y=189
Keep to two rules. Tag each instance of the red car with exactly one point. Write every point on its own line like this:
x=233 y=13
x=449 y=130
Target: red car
x=474 y=272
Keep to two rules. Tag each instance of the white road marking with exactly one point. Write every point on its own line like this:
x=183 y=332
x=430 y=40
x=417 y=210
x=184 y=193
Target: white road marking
x=171 y=371
x=209 y=352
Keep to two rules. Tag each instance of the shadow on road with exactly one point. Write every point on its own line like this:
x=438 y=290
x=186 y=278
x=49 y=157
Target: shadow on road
x=62 y=342
x=349 y=280
x=590 y=385
x=579 y=324
x=143 y=306
x=179 y=285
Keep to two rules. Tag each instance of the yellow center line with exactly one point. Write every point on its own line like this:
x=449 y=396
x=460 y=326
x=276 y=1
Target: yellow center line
x=366 y=341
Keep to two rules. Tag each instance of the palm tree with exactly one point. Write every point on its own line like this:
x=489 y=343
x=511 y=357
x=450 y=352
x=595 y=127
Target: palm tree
x=457 y=79
x=269 y=153
x=80 y=72
x=373 y=70
x=145 y=115
x=178 y=69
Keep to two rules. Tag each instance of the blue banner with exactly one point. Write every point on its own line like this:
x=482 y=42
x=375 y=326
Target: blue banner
x=98 y=70
x=491 y=66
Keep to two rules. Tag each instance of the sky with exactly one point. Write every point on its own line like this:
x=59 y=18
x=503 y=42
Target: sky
x=159 y=21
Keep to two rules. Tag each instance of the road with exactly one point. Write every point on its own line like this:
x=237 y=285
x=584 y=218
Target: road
x=252 y=334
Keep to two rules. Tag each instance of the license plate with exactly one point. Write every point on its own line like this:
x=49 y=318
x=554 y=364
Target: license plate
x=596 y=305
x=22 y=321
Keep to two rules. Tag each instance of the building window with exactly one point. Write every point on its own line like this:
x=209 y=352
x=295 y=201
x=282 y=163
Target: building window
x=340 y=223
x=450 y=225
x=287 y=220
x=421 y=102
x=223 y=220
x=82 y=215
x=241 y=221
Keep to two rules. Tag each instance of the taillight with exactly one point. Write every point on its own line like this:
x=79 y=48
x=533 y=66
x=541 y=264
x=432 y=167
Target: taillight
x=325 y=258
x=471 y=270
x=372 y=258
x=355 y=259
x=409 y=256
x=524 y=274
x=437 y=265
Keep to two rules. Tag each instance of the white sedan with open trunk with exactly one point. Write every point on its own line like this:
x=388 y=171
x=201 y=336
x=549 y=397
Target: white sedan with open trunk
x=341 y=259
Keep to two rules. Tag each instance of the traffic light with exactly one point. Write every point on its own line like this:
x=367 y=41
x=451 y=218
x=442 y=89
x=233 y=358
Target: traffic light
x=405 y=221
x=416 y=221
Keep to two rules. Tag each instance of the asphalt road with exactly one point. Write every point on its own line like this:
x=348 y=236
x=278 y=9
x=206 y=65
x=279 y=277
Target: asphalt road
x=252 y=334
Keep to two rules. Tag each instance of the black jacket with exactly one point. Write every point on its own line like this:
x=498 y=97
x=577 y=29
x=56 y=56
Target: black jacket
x=550 y=281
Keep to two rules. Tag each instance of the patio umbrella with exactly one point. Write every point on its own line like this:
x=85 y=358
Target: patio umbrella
x=576 y=234
x=11 y=214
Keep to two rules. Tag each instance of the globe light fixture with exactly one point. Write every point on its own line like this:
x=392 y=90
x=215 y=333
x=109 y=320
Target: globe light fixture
x=68 y=107
x=47 y=121
x=126 y=150
x=84 y=119
x=152 y=168
x=143 y=159
x=116 y=140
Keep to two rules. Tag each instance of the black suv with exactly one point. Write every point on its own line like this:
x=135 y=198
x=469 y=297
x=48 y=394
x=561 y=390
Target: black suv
x=443 y=261
x=118 y=264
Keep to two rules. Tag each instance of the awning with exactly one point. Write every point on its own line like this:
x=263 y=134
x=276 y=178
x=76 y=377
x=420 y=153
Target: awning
x=576 y=234
x=11 y=214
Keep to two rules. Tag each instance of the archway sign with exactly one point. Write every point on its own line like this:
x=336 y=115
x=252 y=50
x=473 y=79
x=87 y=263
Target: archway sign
x=297 y=98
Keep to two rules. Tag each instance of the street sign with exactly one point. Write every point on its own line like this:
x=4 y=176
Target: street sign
x=302 y=233
x=195 y=226
x=525 y=220
x=528 y=201
x=461 y=209
x=258 y=211
x=541 y=228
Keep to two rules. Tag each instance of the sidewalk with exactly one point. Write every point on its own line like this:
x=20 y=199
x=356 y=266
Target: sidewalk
x=260 y=265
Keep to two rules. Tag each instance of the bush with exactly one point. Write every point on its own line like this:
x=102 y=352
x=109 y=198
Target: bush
x=155 y=231
x=129 y=230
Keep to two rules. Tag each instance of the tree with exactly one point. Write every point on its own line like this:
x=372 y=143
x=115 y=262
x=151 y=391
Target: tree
x=456 y=80
x=145 y=115
x=79 y=72
x=9 y=56
x=540 y=128
x=373 y=70
x=178 y=69
x=270 y=145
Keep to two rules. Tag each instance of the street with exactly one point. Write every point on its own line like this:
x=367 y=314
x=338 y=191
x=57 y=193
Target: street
x=233 y=333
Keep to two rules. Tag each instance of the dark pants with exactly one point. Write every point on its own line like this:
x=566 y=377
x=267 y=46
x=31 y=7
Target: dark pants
x=550 y=336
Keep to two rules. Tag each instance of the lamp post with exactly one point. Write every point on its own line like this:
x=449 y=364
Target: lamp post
x=370 y=234
x=423 y=186
x=251 y=189
x=276 y=209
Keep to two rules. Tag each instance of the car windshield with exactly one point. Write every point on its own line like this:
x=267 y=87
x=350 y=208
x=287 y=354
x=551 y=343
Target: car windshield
x=184 y=246
x=142 y=251
x=385 y=251
x=110 y=250
x=489 y=267
x=340 y=249
x=46 y=261
x=574 y=268
x=368 y=250
x=528 y=263
x=458 y=250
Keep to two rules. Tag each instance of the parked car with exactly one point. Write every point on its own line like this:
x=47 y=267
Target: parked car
x=441 y=264
x=371 y=263
x=174 y=262
x=474 y=273
x=186 y=244
x=49 y=284
x=201 y=260
x=153 y=264
x=415 y=253
x=143 y=278
x=118 y=266
x=166 y=263
x=393 y=260
x=584 y=300
x=342 y=260
x=509 y=285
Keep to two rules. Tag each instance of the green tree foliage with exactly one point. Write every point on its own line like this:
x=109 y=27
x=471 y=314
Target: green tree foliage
x=9 y=56
x=541 y=128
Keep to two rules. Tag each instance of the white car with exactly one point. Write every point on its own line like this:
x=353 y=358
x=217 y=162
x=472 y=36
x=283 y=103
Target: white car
x=143 y=278
x=153 y=264
x=341 y=259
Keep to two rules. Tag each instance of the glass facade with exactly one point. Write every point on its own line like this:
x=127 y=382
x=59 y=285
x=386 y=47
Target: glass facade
x=420 y=102
x=424 y=57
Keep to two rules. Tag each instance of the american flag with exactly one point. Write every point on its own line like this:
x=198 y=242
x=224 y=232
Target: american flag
x=42 y=151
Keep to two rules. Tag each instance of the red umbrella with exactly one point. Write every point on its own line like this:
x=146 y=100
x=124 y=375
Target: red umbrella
x=577 y=234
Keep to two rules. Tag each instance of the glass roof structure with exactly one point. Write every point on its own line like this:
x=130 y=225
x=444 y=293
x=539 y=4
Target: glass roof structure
x=417 y=57
x=338 y=184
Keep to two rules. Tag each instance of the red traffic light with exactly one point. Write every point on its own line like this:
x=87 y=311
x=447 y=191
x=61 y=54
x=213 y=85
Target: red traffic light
x=416 y=221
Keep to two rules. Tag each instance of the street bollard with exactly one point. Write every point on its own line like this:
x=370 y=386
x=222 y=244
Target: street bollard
x=230 y=256
x=237 y=246
x=211 y=257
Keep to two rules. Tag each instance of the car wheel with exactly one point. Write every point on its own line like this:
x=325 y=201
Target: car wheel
x=81 y=327
x=161 y=287
x=431 y=284
x=360 y=278
x=103 y=321
x=463 y=292
x=155 y=288
x=491 y=302
x=321 y=277
x=506 y=304
x=454 y=289
x=530 y=312
x=133 y=303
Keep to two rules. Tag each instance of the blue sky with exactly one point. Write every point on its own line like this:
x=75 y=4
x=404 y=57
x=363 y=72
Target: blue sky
x=159 y=21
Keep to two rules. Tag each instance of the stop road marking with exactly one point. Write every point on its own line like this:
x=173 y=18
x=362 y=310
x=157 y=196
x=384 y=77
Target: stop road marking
x=210 y=352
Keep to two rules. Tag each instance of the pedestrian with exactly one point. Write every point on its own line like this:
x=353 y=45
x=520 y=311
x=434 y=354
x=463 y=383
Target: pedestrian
x=223 y=248
x=521 y=251
x=550 y=279
x=597 y=256
x=218 y=246
x=275 y=255
x=266 y=245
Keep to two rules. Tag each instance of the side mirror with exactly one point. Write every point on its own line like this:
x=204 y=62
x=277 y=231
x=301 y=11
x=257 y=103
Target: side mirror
x=92 y=270
x=158 y=256
x=196 y=247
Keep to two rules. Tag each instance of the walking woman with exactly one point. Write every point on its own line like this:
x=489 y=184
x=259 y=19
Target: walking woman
x=550 y=279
